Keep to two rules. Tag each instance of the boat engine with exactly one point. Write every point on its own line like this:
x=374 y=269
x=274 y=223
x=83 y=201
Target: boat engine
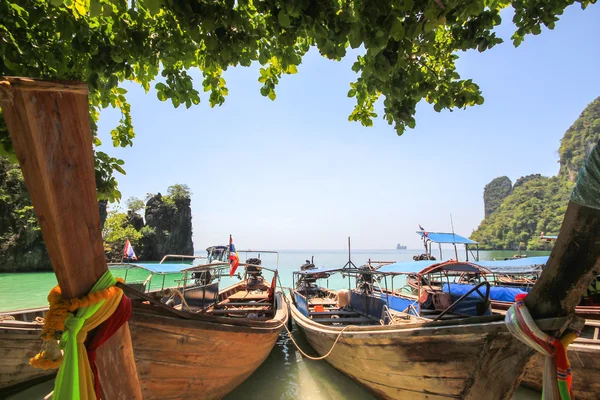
x=254 y=271
x=306 y=266
x=202 y=277
x=422 y=257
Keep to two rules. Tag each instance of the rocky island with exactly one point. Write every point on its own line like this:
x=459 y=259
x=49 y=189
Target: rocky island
x=164 y=228
x=516 y=215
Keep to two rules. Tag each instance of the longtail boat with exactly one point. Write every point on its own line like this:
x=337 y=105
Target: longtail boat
x=190 y=340
x=395 y=354
x=584 y=353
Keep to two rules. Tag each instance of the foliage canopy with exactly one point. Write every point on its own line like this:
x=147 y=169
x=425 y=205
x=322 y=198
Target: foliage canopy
x=134 y=204
x=409 y=50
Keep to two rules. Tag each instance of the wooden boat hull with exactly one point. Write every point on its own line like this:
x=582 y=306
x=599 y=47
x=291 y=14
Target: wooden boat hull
x=396 y=362
x=401 y=362
x=205 y=357
x=18 y=343
x=190 y=359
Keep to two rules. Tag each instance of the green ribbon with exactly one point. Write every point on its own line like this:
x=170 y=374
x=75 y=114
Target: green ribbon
x=587 y=189
x=66 y=385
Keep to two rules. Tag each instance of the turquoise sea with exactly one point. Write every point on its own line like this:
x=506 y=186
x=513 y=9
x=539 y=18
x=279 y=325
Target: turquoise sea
x=285 y=374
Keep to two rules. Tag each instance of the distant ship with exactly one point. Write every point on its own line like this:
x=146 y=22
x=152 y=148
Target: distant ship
x=400 y=247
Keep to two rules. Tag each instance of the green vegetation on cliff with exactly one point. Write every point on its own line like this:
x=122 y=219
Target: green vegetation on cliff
x=22 y=248
x=534 y=207
x=21 y=245
x=167 y=228
x=537 y=204
x=494 y=193
x=579 y=140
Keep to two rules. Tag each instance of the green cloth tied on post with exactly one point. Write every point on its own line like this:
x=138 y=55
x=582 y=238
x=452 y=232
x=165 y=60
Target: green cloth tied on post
x=587 y=189
x=67 y=383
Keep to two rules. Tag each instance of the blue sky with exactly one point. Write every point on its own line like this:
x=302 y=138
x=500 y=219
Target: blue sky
x=295 y=174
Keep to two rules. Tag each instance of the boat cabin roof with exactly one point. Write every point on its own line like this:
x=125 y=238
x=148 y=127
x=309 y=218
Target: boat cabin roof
x=524 y=266
x=425 y=267
x=442 y=237
x=161 y=269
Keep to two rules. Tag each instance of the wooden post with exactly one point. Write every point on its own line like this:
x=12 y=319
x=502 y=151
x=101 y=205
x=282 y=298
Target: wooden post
x=49 y=125
x=573 y=264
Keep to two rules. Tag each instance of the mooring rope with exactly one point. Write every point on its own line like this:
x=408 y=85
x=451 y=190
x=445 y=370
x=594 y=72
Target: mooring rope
x=311 y=357
x=291 y=336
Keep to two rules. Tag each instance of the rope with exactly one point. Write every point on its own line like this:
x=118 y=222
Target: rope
x=311 y=357
x=292 y=337
x=557 y=370
x=177 y=293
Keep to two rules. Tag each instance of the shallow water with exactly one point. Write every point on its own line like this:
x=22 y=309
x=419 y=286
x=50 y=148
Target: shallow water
x=285 y=374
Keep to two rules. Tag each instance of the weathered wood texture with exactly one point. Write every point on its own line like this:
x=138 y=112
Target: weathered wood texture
x=398 y=362
x=585 y=366
x=573 y=264
x=587 y=312
x=49 y=125
x=179 y=358
x=17 y=346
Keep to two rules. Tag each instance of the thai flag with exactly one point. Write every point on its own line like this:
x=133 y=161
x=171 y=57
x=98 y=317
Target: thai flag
x=234 y=259
x=423 y=230
x=128 y=251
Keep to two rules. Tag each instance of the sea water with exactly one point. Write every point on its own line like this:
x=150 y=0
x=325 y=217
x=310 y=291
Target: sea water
x=285 y=374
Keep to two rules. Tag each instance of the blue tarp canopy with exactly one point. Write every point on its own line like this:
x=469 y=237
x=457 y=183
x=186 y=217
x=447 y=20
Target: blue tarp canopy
x=155 y=268
x=525 y=265
x=407 y=267
x=439 y=237
x=497 y=293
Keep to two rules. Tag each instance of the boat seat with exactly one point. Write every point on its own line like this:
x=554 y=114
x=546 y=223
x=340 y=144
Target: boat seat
x=242 y=303
x=335 y=312
x=356 y=320
x=240 y=311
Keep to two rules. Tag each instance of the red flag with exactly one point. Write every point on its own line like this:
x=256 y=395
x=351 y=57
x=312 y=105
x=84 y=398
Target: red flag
x=234 y=260
x=128 y=251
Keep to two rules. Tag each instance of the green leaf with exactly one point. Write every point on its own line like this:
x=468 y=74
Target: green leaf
x=397 y=30
x=161 y=95
x=121 y=90
x=107 y=10
x=284 y=19
x=20 y=10
x=95 y=8
x=272 y=94
x=57 y=3
x=153 y=6
x=265 y=90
